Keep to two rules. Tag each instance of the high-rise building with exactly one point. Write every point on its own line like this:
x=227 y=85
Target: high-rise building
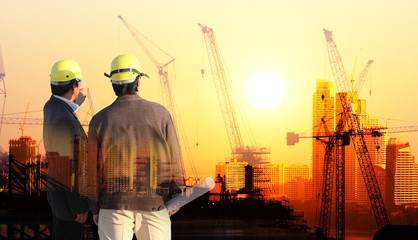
x=297 y=179
x=298 y=189
x=266 y=177
x=233 y=173
x=376 y=146
x=59 y=172
x=355 y=188
x=118 y=170
x=402 y=174
x=23 y=149
x=308 y=189
x=296 y=171
x=323 y=111
x=25 y=167
x=327 y=109
x=273 y=179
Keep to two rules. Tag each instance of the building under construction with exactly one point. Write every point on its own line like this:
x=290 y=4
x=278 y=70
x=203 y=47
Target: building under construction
x=26 y=211
x=27 y=214
x=27 y=169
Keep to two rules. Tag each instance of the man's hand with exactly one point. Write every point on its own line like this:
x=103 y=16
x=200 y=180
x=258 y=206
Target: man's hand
x=83 y=91
x=81 y=217
x=96 y=219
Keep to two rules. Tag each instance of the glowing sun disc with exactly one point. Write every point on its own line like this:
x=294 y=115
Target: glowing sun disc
x=265 y=90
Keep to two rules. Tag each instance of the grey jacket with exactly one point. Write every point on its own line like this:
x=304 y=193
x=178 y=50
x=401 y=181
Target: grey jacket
x=134 y=145
x=65 y=146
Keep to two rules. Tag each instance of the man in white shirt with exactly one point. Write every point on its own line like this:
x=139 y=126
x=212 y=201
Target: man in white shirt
x=65 y=145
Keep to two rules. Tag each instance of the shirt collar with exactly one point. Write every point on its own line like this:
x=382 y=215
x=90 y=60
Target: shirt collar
x=73 y=106
x=128 y=97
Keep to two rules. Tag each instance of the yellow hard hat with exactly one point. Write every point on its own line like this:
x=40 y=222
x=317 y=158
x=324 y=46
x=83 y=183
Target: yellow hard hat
x=124 y=69
x=64 y=71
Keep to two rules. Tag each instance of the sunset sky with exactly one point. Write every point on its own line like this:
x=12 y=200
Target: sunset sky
x=282 y=37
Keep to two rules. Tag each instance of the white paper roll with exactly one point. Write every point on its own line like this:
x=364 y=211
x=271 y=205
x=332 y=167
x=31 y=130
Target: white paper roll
x=191 y=194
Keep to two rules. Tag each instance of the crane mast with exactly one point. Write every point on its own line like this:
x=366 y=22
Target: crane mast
x=166 y=93
x=90 y=111
x=328 y=182
x=251 y=154
x=222 y=89
x=2 y=88
x=350 y=119
x=333 y=162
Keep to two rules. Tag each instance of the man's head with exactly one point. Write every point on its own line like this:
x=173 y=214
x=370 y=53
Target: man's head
x=65 y=78
x=125 y=73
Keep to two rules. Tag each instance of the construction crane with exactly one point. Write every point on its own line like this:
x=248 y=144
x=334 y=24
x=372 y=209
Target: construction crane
x=336 y=142
x=28 y=121
x=350 y=120
x=39 y=121
x=362 y=77
x=292 y=138
x=252 y=155
x=222 y=89
x=22 y=125
x=166 y=93
x=2 y=91
x=348 y=127
x=90 y=111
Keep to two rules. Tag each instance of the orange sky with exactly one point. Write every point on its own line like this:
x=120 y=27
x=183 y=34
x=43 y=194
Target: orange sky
x=283 y=37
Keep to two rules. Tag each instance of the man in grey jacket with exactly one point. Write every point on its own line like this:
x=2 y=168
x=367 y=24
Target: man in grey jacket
x=134 y=145
x=65 y=146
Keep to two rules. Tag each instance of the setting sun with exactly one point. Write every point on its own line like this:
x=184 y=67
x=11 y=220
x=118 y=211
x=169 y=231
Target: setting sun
x=265 y=90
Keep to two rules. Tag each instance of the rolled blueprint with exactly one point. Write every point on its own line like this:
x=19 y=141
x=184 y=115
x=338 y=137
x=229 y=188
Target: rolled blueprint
x=190 y=194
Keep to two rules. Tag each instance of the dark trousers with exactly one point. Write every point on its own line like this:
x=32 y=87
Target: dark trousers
x=63 y=230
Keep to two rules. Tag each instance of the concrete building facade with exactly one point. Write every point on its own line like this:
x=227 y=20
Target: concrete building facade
x=233 y=173
x=323 y=109
x=327 y=110
x=402 y=174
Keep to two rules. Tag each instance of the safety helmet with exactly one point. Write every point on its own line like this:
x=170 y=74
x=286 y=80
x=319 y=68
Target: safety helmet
x=64 y=71
x=124 y=69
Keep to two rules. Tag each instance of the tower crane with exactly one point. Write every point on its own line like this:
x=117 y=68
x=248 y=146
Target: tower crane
x=28 y=121
x=362 y=77
x=348 y=128
x=39 y=121
x=222 y=85
x=90 y=111
x=166 y=93
x=168 y=99
x=222 y=89
x=2 y=90
x=293 y=137
x=333 y=142
x=22 y=125
x=348 y=119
